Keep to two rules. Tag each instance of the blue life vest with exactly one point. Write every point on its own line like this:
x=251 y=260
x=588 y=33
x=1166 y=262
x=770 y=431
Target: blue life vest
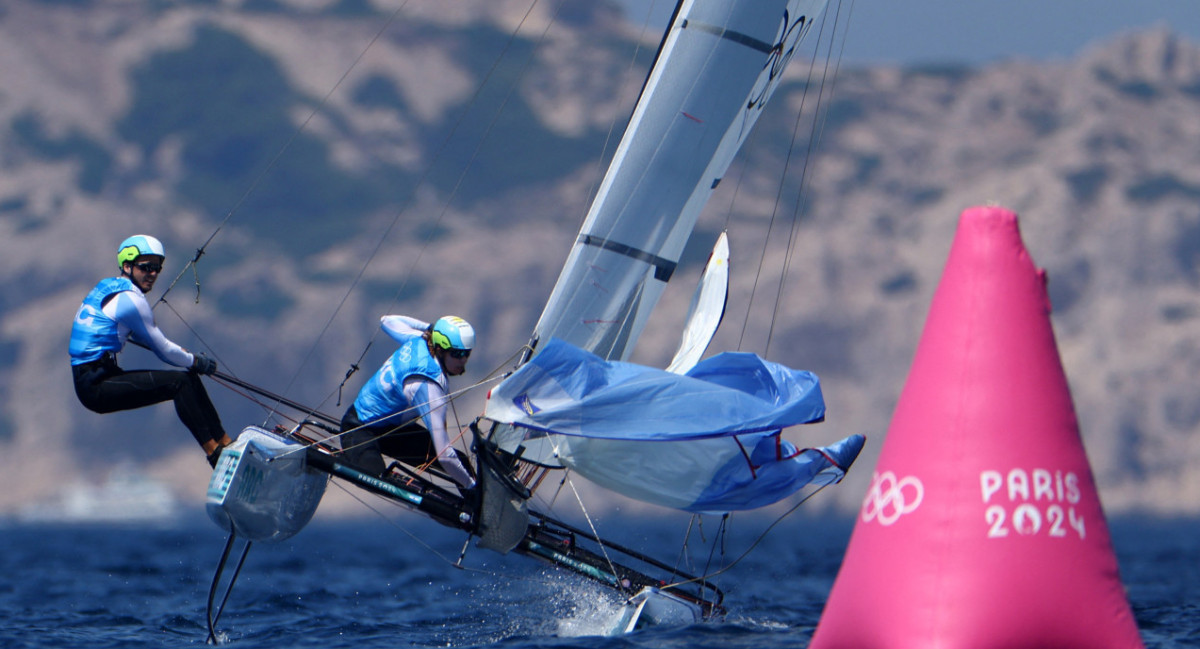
x=383 y=395
x=94 y=333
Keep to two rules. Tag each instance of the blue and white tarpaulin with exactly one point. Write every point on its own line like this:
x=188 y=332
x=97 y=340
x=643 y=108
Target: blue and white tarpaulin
x=704 y=441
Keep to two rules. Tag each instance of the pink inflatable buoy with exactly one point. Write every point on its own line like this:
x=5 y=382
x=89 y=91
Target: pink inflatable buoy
x=982 y=527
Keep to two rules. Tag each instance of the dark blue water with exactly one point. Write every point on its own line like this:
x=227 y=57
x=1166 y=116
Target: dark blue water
x=370 y=584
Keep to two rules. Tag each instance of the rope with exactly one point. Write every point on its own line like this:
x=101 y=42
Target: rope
x=801 y=195
x=707 y=576
x=779 y=192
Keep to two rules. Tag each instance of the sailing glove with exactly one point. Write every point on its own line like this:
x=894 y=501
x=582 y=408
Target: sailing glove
x=202 y=364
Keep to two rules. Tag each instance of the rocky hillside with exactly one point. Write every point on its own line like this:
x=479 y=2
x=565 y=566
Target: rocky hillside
x=323 y=198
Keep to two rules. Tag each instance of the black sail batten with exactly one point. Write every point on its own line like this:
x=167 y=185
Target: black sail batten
x=663 y=267
x=730 y=35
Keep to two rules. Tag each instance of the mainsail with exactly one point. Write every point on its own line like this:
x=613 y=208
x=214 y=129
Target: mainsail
x=719 y=64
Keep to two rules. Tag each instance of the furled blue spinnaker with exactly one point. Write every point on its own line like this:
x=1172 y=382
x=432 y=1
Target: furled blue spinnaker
x=705 y=441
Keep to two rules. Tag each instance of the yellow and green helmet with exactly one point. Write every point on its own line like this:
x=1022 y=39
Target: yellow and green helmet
x=452 y=332
x=138 y=245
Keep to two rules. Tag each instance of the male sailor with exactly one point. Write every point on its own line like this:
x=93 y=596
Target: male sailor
x=115 y=311
x=401 y=411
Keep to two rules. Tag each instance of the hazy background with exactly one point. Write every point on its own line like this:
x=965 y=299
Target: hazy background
x=118 y=118
x=982 y=31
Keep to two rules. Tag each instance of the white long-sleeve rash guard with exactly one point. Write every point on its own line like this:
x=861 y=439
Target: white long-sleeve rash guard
x=135 y=320
x=429 y=398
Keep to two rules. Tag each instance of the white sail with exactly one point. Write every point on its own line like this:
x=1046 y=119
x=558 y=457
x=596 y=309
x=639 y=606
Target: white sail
x=707 y=309
x=719 y=64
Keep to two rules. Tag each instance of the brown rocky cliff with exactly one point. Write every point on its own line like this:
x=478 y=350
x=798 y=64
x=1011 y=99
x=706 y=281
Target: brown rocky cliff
x=1098 y=155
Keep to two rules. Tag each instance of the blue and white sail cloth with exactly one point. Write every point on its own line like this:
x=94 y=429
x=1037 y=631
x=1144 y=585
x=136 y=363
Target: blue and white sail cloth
x=705 y=441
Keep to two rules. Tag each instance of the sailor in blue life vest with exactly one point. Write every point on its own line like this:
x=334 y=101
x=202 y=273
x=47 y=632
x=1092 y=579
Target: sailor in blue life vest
x=401 y=411
x=115 y=311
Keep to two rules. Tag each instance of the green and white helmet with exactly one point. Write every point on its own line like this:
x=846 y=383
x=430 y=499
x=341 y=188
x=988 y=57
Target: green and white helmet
x=452 y=332
x=138 y=245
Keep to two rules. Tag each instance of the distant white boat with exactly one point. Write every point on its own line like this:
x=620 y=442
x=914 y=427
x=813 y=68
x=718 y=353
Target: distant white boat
x=126 y=496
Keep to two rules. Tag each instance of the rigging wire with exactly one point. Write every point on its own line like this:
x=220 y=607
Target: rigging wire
x=718 y=541
x=800 y=113
x=759 y=539
x=697 y=521
x=592 y=526
x=813 y=143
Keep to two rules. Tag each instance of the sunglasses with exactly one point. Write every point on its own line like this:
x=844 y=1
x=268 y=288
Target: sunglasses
x=148 y=267
x=458 y=353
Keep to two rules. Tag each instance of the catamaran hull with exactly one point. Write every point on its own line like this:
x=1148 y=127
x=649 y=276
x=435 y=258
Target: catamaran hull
x=262 y=488
x=654 y=607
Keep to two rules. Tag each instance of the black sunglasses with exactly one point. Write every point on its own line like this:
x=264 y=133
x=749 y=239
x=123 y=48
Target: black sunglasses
x=458 y=353
x=148 y=267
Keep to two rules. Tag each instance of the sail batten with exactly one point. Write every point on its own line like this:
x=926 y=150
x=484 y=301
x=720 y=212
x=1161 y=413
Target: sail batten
x=737 y=37
x=663 y=268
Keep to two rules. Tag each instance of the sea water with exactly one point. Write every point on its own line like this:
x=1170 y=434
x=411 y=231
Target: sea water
x=367 y=584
